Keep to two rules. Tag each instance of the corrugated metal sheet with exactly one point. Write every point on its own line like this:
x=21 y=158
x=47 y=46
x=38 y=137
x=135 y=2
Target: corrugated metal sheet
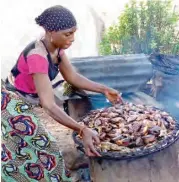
x=126 y=73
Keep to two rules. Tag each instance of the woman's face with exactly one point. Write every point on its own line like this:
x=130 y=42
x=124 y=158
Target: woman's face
x=64 y=38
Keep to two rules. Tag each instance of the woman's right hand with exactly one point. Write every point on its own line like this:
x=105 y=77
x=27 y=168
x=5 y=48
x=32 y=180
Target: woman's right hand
x=90 y=138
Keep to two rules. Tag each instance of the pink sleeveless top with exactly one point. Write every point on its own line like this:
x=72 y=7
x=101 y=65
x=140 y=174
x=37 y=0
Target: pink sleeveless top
x=34 y=59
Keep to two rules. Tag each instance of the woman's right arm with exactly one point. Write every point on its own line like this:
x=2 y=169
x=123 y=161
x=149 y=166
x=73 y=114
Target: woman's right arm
x=45 y=93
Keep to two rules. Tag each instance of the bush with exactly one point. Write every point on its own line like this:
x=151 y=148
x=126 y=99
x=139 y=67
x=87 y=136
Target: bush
x=143 y=27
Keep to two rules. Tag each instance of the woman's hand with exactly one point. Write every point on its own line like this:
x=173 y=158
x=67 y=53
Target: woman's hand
x=113 y=96
x=90 y=138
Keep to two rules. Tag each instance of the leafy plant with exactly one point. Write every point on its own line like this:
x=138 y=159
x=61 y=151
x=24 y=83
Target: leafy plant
x=143 y=27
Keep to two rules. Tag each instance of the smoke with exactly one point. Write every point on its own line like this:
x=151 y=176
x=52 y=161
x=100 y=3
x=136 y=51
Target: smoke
x=165 y=82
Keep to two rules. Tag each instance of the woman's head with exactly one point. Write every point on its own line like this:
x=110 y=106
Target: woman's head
x=59 y=24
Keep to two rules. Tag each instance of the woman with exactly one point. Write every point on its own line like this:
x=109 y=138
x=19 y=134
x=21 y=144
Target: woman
x=29 y=152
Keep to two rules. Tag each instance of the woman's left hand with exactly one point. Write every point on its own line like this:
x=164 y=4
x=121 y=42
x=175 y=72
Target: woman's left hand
x=113 y=96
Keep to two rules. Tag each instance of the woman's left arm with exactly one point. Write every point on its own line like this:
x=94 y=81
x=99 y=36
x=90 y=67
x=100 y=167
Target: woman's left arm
x=81 y=82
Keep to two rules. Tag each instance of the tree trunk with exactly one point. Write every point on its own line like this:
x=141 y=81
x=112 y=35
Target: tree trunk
x=162 y=166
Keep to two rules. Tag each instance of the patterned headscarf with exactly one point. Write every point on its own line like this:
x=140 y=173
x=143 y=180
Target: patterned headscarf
x=56 y=18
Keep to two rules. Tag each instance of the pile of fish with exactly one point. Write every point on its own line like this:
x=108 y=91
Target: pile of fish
x=129 y=126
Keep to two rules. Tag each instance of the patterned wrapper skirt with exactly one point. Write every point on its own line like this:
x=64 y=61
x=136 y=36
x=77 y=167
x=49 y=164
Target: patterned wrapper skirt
x=29 y=153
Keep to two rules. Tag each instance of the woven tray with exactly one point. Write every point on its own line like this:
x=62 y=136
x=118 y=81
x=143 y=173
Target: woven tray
x=139 y=152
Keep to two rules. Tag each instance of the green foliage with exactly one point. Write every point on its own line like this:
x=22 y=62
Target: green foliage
x=143 y=27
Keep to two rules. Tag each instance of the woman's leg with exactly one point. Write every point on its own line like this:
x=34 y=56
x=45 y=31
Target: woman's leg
x=29 y=152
